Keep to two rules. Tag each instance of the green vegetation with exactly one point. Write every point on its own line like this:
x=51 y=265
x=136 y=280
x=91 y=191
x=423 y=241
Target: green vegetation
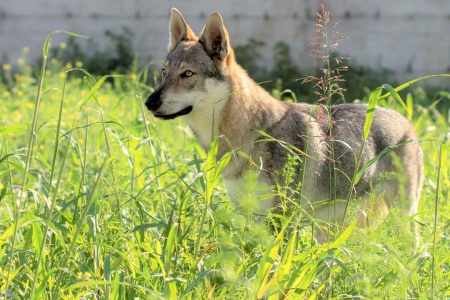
x=98 y=200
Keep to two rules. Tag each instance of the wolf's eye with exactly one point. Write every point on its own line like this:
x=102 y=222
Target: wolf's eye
x=163 y=72
x=187 y=73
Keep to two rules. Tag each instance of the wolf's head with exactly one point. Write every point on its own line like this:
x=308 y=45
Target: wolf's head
x=195 y=73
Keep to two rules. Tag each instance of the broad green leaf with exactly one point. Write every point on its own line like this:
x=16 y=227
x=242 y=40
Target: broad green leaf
x=268 y=260
x=9 y=232
x=395 y=95
x=360 y=173
x=414 y=81
x=409 y=106
x=49 y=37
x=343 y=236
x=14 y=128
x=286 y=258
x=94 y=89
x=373 y=101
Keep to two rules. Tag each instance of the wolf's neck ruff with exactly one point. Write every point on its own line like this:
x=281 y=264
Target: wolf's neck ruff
x=205 y=118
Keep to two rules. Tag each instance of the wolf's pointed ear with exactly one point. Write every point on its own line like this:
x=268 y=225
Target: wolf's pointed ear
x=215 y=38
x=179 y=30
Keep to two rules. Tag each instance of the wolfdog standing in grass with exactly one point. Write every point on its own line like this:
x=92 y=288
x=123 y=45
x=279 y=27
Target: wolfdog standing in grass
x=203 y=83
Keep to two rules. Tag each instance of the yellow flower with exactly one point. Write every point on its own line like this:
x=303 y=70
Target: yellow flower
x=68 y=66
x=6 y=67
x=19 y=93
x=6 y=94
x=53 y=61
x=17 y=117
x=133 y=77
x=25 y=49
x=62 y=74
x=63 y=45
x=20 y=61
x=78 y=64
x=102 y=99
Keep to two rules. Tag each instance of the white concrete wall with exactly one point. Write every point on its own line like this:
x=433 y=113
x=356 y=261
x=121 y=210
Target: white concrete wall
x=409 y=36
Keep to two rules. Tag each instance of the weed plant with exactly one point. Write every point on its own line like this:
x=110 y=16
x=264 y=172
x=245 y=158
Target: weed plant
x=98 y=200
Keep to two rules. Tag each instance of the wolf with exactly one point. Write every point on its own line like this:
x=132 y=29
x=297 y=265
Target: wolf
x=203 y=83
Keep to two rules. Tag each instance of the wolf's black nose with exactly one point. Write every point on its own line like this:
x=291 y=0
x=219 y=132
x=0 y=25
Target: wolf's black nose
x=153 y=101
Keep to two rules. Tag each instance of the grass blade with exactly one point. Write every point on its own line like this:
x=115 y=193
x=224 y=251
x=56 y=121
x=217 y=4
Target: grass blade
x=412 y=82
x=32 y=138
x=436 y=203
x=14 y=128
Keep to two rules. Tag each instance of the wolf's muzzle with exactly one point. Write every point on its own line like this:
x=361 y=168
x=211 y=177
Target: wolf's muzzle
x=154 y=102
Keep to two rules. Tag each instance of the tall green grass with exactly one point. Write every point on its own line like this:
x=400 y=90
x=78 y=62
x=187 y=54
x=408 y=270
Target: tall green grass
x=98 y=200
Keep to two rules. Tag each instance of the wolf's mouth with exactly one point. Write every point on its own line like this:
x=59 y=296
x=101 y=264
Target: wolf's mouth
x=182 y=112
